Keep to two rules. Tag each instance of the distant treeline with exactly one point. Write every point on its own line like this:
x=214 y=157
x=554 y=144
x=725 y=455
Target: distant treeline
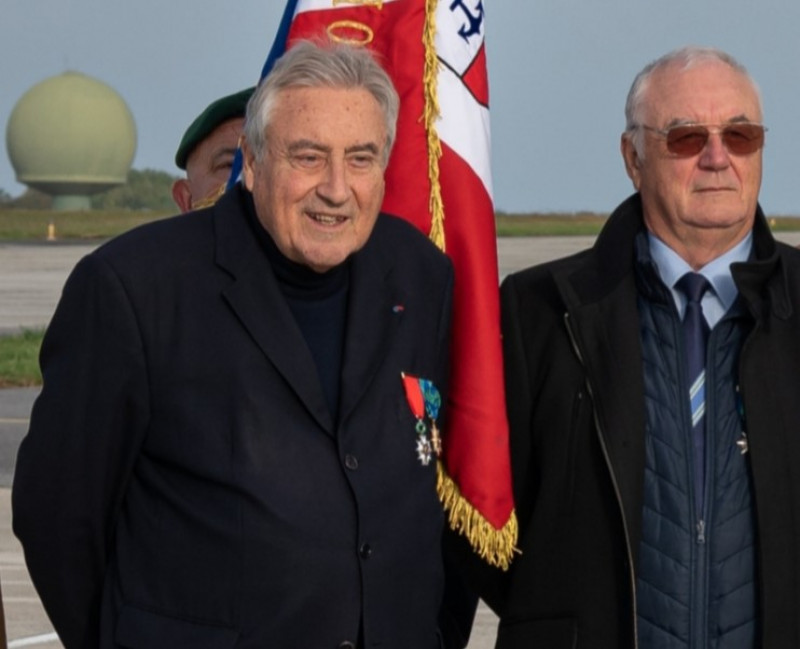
x=146 y=189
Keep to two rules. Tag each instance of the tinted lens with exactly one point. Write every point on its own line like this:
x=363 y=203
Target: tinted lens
x=742 y=139
x=739 y=139
x=686 y=140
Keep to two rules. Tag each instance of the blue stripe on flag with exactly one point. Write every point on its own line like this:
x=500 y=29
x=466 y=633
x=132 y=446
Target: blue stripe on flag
x=279 y=45
x=275 y=52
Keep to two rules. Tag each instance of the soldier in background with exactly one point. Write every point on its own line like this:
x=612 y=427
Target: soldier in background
x=207 y=150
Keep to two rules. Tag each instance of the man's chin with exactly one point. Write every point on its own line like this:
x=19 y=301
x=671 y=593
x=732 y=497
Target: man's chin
x=721 y=213
x=322 y=263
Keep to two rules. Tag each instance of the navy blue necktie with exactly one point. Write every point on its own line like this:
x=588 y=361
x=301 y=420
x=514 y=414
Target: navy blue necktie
x=695 y=331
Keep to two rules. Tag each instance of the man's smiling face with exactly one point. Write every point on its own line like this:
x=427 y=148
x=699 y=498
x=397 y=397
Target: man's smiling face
x=319 y=185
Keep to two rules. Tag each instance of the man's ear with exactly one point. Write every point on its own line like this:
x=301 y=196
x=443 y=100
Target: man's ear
x=248 y=165
x=631 y=158
x=182 y=194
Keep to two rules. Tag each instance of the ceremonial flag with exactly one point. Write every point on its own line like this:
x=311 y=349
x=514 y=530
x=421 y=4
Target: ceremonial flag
x=439 y=179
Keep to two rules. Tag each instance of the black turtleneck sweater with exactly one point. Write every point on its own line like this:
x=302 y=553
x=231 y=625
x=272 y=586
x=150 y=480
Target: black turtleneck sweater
x=318 y=302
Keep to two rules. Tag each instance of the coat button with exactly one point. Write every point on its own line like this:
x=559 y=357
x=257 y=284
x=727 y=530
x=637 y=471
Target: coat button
x=365 y=551
x=351 y=462
x=347 y=645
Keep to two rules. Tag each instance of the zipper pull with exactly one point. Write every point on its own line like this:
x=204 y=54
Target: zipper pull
x=701 y=532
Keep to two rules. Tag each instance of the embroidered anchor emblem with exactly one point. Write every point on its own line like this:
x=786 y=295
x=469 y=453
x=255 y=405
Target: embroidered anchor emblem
x=473 y=27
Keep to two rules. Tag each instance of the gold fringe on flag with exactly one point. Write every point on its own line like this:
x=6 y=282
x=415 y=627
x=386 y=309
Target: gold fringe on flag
x=496 y=547
x=430 y=79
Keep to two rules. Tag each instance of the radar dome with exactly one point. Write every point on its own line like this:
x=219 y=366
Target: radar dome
x=71 y=136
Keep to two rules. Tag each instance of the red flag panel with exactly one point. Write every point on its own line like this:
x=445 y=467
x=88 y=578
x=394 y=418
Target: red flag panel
x=475 y=482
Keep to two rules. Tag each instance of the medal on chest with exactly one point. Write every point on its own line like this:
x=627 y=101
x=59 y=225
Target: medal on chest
x=425 y=402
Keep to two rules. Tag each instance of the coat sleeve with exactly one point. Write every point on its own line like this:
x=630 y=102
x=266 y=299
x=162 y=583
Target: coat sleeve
x=518 y=359
x=86 y=428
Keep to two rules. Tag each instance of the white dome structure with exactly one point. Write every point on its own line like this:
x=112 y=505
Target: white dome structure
x=71 y=136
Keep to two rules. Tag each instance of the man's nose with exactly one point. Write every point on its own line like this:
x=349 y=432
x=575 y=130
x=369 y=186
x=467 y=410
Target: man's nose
x=714 y=154
x=334 y=186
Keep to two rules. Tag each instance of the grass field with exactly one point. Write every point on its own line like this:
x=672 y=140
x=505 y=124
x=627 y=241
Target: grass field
x=19 y=355
x=518 y=225
x=35 y=225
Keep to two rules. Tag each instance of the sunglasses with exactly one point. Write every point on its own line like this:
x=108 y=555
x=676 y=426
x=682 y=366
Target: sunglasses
x=686 y=140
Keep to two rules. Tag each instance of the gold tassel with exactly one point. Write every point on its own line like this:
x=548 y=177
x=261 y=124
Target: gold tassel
x=430 y=115
x=496 y=547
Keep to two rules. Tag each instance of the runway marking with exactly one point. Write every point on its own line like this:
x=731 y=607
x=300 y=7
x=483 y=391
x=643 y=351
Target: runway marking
x=33 y=640
x=14 y=420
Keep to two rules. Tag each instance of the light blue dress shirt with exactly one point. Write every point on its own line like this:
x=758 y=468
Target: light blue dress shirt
x=671 y=267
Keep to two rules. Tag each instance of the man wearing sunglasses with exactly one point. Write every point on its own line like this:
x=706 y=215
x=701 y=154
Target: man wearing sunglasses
x=655 y=419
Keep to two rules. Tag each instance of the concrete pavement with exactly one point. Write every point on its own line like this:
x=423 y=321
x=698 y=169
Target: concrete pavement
x=31 y=279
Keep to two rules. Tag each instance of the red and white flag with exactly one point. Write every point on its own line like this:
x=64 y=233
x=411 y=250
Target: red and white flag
x=439 y=179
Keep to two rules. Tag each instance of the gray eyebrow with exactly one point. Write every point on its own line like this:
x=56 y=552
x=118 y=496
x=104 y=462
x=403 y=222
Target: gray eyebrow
x=298 y=145
x=307 y=144
x=370 y=147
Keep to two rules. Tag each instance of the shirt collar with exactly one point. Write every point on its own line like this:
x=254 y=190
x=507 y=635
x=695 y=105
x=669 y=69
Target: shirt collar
x=671 y=267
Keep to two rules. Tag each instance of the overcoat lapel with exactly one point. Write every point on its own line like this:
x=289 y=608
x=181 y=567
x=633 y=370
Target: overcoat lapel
x=375 y=311
x=608 y=337
x=255 y=297
x=601 y=299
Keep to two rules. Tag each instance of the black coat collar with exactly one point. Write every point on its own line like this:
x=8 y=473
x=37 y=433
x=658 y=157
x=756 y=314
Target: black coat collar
x=762 y=282
x=255 y=296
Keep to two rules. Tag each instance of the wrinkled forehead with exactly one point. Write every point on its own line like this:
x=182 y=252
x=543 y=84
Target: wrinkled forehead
x=708 y=91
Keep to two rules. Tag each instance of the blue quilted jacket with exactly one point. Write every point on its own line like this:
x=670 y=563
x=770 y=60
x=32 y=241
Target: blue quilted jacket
x=696 y=574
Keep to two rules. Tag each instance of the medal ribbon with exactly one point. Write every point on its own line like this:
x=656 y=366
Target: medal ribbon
x=414 y=395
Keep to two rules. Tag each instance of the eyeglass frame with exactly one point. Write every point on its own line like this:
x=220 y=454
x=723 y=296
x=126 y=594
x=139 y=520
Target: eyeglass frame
x=710 y=129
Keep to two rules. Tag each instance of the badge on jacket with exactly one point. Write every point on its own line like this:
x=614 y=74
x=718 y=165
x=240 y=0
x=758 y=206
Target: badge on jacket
x=425 y=401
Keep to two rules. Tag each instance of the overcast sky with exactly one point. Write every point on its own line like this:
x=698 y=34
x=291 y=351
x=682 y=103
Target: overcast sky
x=559 y=71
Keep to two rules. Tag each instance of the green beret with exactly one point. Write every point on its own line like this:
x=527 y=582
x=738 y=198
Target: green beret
x=217 y=112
